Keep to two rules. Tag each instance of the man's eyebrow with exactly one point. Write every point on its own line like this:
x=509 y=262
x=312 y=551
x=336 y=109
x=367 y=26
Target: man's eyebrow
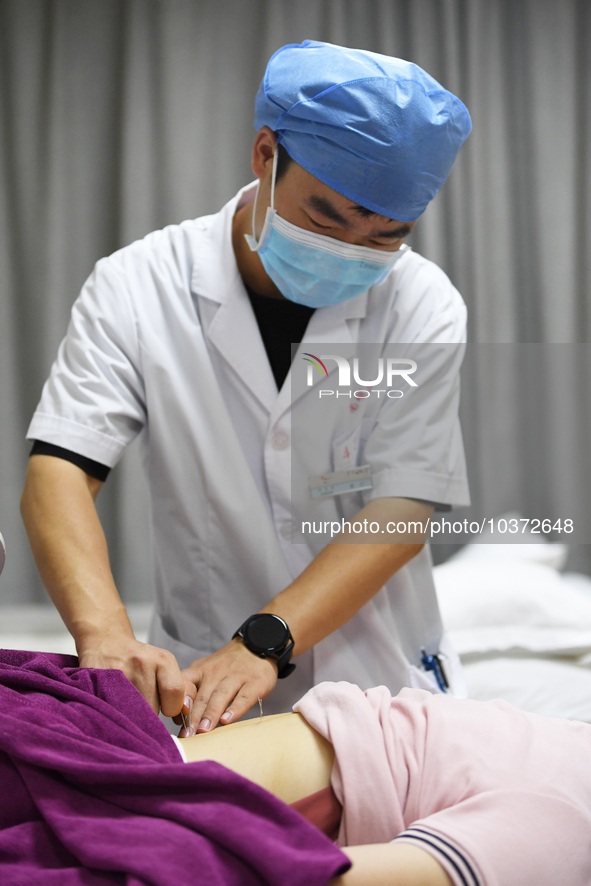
x=325 y=207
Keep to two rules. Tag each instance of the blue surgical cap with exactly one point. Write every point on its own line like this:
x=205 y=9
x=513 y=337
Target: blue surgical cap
x=379 y=130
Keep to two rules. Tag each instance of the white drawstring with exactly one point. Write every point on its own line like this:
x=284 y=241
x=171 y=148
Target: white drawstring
x=256 y=196
x=275 y=157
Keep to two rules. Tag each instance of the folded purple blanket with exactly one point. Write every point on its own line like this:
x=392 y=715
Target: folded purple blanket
x=93 y=791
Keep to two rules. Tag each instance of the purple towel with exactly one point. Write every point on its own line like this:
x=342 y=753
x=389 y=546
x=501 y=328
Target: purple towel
x=93 y=791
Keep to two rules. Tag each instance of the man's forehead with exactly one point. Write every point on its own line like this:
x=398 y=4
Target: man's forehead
x=342 y=215
x=330 y=203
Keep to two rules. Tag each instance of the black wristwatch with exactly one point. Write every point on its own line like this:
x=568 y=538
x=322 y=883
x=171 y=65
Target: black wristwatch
x=268 y=636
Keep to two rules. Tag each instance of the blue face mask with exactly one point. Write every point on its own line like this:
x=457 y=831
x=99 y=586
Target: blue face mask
x=312 y=269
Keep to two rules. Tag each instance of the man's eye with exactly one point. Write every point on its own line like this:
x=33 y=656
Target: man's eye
x=318 y=225
x=385 y=243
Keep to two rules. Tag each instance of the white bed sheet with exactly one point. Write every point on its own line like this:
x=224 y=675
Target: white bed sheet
x=522 y=628
x=554 y=687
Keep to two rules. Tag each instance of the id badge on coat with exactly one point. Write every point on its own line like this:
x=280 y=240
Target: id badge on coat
x=340 y=482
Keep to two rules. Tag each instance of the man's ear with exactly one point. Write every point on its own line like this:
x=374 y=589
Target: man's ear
x=263 y=150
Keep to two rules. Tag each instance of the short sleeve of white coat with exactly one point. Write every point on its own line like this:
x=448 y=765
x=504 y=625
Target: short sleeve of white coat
x=414 y=444
x=93 y=401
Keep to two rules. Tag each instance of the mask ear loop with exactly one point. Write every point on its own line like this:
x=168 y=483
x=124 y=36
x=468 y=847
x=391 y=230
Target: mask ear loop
x=256 y=196
x=274 y=176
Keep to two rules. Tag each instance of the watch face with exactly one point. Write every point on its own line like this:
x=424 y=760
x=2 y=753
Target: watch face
x=266 y=633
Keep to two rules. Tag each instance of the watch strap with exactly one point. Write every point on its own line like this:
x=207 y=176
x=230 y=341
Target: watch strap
x=285 y=667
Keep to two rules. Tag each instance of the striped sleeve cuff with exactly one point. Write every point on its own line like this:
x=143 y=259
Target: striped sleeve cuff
x=452 y=858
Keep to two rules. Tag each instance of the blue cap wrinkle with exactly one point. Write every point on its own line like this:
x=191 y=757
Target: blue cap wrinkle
x=379 y=130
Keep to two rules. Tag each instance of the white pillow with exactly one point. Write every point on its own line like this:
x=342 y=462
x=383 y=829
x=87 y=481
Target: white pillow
x=492 y=605
x=526 y=545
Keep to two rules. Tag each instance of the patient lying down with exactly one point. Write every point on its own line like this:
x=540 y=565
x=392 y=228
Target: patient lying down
x=422 y=789
x=470 y=793
x=285 y=755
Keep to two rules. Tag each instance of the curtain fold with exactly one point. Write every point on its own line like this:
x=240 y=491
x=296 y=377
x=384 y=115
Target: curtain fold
x=121 y=116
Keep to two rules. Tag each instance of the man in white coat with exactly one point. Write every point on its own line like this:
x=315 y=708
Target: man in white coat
x=186 y=336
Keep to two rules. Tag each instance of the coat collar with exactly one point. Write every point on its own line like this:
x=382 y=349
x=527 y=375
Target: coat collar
x=328 y=326
x=233 y=330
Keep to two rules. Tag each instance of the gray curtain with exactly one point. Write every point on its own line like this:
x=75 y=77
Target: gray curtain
x=120 y=116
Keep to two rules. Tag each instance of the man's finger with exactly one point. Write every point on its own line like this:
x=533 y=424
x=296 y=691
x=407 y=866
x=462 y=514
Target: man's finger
x=246 y=697
x=212 y=701
x=190 y=693
x=194 y=673
x=171 y=686
x=220 y=698
x=203 y=693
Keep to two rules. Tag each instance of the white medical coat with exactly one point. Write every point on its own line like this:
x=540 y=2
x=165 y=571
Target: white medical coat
x=163 y=340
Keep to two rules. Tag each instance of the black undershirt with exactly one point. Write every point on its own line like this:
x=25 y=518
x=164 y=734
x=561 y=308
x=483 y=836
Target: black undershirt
x=281 y=323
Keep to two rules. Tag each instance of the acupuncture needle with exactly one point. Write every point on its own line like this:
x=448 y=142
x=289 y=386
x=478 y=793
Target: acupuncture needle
x=260 y=709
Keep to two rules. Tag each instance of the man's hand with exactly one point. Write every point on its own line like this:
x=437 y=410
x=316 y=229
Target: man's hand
x=69 y=547
x=154 y=672
x=336 y=584
x=227 y=684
